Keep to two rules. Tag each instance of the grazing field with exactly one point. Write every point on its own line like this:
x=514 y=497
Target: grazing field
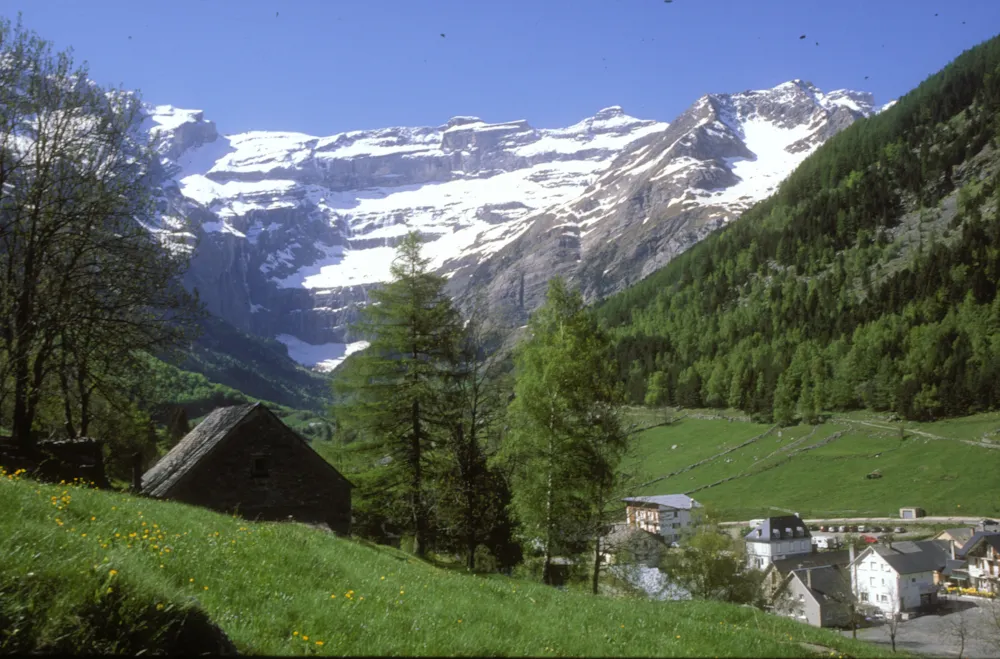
x=86 y=571
x=947 y=467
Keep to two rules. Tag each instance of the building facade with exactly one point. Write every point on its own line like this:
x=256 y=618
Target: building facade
x=898 y=579
x=666 y=515
x=775 y=539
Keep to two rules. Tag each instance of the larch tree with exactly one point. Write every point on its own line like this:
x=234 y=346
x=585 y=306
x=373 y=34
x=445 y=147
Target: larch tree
x=565 y=438
x=397 y=393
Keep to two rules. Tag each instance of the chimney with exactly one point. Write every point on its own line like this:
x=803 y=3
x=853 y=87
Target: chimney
x=952 y=543
x=136 y=472
x=809 y=578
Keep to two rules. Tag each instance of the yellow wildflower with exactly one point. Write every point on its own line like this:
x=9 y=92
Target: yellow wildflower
x=113 y=572
x=319 y=642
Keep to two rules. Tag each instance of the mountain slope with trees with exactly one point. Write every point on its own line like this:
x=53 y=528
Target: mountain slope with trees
x=867 y=281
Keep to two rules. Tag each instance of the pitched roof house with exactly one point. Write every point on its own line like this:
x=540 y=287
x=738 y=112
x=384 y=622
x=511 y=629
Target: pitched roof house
x=982 y=557
x=957 y=536
x=901 y=577
x=777 y=572
x=819 y=596
x=243 y=459
x=777 y=538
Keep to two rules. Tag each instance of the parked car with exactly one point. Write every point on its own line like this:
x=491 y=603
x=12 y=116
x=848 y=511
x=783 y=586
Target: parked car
x=841 y=529
x=862 y=528
x=822 y=528
x=877 y=529
x=869 y=539
x=899 y=529
x=852 y=528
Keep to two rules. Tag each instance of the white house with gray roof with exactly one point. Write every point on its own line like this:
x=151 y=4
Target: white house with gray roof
x=901 y=577
x=667 y=515
x=776 y=539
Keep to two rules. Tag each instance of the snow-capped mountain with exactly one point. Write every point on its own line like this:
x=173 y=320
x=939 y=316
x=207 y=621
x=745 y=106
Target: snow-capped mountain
x=663 y=194
x=292 y=229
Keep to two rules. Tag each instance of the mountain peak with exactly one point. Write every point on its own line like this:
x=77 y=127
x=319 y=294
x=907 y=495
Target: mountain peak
x=462 y=121
x=611 y=112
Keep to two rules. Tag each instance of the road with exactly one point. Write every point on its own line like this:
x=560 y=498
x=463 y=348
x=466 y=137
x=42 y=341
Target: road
x=895 y=521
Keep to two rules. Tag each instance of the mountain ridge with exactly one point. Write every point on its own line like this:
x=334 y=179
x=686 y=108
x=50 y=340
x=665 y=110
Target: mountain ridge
x=288 y=231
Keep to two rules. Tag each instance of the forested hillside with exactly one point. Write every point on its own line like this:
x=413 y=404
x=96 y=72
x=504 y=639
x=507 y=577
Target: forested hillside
x=868 y=280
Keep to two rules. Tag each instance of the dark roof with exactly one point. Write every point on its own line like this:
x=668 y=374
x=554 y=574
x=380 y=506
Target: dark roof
x=200 y=442
x=775 y=528
x=961 y=533
x=829 y=583
x=991 y=538
x=908 y=557
x=841 y=557
x=955 y=568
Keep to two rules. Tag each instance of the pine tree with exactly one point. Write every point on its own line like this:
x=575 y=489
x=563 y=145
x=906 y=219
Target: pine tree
x=396 y=395
x=566 y=436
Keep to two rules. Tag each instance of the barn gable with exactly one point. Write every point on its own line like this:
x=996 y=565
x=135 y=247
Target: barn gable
x=245 y=459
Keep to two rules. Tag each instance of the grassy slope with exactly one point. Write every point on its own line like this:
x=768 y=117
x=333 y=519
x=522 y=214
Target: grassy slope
x=945 y=476
x=67 y=550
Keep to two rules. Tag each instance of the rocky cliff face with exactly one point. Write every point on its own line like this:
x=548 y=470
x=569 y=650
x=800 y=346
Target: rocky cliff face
x=289 y=231
x=662 y=194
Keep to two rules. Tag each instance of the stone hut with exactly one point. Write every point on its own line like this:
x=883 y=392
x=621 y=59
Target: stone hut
x=243 y=459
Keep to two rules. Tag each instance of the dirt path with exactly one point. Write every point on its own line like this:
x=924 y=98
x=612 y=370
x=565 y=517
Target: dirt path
x=922 y=433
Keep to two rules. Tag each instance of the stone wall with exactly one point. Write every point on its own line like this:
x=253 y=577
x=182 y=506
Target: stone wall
x=299 y=485
x=54 y=461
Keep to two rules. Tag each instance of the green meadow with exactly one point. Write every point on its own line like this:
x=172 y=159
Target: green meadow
x=820 y=470
x=90 y=571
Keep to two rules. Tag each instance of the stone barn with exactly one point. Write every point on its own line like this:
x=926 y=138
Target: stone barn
x=244 y=460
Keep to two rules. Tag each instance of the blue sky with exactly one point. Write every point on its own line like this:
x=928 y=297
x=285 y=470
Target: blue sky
x=325 y=66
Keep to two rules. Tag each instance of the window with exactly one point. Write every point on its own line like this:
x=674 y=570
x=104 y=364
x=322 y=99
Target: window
x=913 y=580
x=872 y=581
x=864 y=596
x=260 y=466
x=675 y=525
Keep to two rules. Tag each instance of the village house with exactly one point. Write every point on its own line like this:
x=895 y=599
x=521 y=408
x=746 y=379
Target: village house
x=777 y=573
x=244 y=460
x=902 y=577
x=982 y=557
x=958 y=537
x=667 y=515
x=819 y=596
x=775 y=539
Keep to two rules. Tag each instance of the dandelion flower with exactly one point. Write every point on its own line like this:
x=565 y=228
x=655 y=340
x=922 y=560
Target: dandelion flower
x=460 y=620
x=191 y=580
x=305 y=638
x=295 y=633
x=333 y=597
x=206 y=588
x=113 y=572
x=319 y=642
x=159 y=607
x=402 y=592
x=678 y=636
x=92 y=518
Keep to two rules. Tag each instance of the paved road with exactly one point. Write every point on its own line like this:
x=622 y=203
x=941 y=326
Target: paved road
x=938 y=634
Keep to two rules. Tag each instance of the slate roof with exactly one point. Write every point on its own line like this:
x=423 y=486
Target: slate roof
x=778 y=528
x=829 y=583
x=955 y=568
x=675 y=501
x=200 y=442
x=991 y=538
x=960 y=534
x=840 y=558
x=909 y=557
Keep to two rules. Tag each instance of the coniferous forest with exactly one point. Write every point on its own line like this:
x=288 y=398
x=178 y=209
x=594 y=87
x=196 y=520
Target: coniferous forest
x=869 y=280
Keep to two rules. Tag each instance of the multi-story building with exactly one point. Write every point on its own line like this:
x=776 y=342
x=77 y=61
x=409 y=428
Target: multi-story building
x=775 y=539
x=667 y=515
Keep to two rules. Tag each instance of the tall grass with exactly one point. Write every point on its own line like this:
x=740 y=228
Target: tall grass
x=92 y=571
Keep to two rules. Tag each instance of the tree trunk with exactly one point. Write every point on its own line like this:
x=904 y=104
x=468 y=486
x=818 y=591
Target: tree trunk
x=468 y=485
x=67 y=400
x=549 y=504
x=597 y=560
x=419 y=518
